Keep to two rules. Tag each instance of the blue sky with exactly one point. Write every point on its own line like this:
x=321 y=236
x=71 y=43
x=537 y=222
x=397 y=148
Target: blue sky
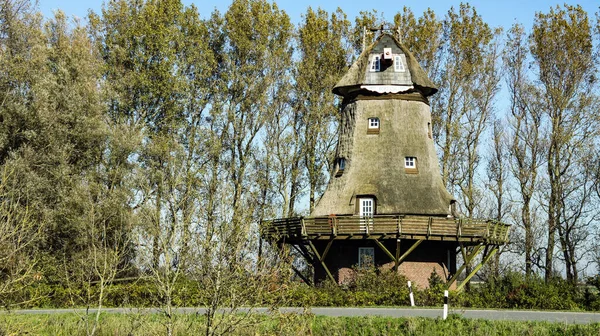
x=496 y=13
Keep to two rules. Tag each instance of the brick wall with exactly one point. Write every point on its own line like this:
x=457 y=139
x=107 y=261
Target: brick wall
x=428 y=257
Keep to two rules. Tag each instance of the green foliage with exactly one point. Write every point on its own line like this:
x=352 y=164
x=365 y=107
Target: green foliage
x=434 y=294
x=511 y=291
x=151 y=122
x=288 y=324
x=514 y=290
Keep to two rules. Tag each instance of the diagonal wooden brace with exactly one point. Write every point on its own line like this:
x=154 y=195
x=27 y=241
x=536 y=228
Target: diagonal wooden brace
x=468 y=258
x=409 y=251
x=298 y=273
x=305 y=253
x=478 y=267
x=381 y=246
x=322 y=258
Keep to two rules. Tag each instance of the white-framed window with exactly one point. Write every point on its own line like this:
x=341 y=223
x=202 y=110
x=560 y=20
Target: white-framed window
x=366 y=257
x=398 y=65
x=410 y=162
x=366 y=207
x=373 y=123
x=375 y=63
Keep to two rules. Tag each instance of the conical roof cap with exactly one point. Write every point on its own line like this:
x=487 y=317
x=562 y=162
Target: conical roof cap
x=359 y=73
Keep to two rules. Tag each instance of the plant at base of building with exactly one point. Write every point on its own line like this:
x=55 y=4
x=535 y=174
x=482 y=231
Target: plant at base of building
x=434 y=294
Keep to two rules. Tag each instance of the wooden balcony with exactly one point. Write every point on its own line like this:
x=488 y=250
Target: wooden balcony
x=299 y=229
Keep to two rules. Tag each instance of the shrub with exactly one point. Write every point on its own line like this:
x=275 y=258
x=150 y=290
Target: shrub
x=514 y=290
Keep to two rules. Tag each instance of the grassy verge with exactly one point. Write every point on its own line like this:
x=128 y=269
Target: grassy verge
x=285 y=324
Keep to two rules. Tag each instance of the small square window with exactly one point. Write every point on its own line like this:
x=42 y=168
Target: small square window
x=398 y=64
x=366 y=257
x=373 y=122
x=373 y=126
x=410 y=162
x=375 y=63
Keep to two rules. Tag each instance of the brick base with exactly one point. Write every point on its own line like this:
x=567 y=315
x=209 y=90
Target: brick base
x=429 y=257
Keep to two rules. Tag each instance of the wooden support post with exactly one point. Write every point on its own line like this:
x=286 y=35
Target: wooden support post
x=303 y=227
x=429 y=227
x=462 y=251
x=314 y=249
x=412 y=248
x=478 y=267
x=397 y=254
x=399 y=226
x=381 y=246
x=467 y=260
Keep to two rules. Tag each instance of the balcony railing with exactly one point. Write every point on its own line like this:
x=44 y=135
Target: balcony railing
x=386 y=226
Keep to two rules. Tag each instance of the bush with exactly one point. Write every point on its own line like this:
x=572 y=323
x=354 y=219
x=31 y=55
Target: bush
x=514 y=290
x=368 y=288
x=434 y=295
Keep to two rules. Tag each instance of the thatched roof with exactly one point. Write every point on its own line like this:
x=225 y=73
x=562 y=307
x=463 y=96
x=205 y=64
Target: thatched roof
x=359 y=73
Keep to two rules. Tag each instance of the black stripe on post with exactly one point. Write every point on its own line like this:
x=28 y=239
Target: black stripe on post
x=445 y=299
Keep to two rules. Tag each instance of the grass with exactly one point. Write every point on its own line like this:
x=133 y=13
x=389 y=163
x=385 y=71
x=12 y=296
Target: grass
x=283 y=324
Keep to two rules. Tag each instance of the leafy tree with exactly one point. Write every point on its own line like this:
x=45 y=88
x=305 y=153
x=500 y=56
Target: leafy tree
x=561 y=47
x=323 y=59
x=52 y=129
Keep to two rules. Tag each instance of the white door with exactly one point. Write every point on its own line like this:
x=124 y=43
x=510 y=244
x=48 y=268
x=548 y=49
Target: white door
x=365 y=207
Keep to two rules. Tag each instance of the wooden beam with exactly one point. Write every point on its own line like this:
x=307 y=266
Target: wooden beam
x=467 y=260
x=298 y=273
x=305 y=253
x=462 y=251
x=477 y=268
x=381 y=246
x=412 y=248
x=326 y=250
x=429 y=227
x=397 y=254
x=312 y=246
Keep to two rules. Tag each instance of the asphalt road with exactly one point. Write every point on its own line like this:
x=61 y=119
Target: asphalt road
x=514 y=315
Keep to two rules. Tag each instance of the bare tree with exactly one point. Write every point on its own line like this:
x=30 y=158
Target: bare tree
x=498 y=180
x=527 y=144
x=19 y=235
x=91 y=272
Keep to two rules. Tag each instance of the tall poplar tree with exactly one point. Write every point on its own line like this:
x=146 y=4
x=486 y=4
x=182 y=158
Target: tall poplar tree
x=323 y=59
x=561 y=46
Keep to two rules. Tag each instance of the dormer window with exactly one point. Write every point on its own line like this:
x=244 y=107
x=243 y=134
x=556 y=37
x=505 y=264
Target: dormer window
x=398 y=65
x=341 y=165
x=375 y=63
x=373 y=125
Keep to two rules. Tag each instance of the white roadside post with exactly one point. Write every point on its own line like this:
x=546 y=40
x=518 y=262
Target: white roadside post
x=412 y=297
x=445 y=304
